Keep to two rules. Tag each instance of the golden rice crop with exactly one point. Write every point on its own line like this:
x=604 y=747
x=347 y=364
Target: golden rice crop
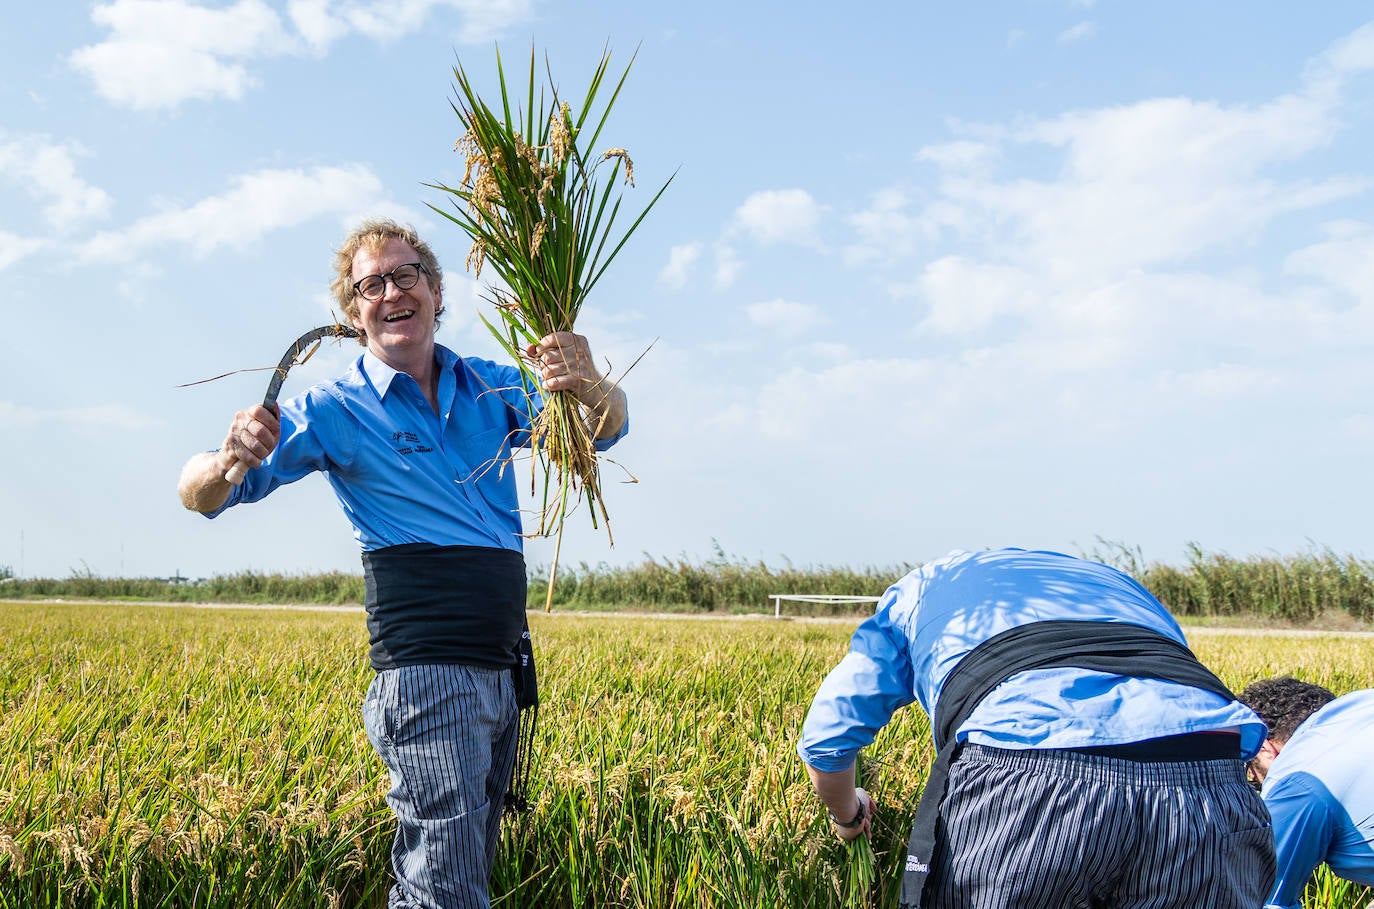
x=179 y=756
x=542 y=215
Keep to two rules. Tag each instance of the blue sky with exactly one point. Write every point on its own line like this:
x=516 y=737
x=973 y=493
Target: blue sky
x=928 y=277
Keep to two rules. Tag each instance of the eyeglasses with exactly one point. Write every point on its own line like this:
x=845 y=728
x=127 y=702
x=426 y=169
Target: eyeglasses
x=373 y=287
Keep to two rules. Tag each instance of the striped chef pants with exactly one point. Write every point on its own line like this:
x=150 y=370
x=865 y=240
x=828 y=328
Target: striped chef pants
x=447 y=735
x=1049 y=829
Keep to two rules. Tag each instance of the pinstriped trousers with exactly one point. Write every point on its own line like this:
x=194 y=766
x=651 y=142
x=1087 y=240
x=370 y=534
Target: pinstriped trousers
x=447 y=735
x=1061 y=830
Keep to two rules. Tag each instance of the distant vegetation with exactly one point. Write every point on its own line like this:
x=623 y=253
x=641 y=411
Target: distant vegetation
x=1296 y=589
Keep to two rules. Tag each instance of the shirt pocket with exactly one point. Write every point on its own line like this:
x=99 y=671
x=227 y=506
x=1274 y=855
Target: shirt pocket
x=485 y=454
x=490 y=469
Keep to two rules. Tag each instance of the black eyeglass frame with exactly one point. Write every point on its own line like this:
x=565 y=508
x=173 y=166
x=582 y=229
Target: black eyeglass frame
x=420 y=269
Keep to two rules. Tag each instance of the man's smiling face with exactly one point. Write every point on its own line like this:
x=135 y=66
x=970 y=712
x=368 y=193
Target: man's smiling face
x=400 y=324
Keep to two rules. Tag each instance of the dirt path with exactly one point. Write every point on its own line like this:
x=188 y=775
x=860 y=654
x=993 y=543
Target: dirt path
x=1189 y=630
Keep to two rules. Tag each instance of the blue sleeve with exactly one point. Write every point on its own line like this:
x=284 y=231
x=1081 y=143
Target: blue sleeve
x=858 y=697
x=316 y=434
x=603 y=444
x=1302 y=833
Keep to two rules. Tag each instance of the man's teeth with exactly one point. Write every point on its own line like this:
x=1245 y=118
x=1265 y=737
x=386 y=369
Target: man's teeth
x=398 y=316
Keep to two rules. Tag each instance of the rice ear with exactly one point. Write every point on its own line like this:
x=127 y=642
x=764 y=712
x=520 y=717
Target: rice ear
x=543 y=221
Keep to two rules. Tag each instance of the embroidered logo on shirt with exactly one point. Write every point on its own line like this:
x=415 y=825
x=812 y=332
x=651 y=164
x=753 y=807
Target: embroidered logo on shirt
x=416 y=448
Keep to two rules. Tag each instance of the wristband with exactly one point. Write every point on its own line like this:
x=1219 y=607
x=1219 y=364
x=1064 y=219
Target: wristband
x=858 y=818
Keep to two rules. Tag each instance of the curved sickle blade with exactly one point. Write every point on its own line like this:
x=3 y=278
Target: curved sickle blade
x=238 y=470
x=293 y=353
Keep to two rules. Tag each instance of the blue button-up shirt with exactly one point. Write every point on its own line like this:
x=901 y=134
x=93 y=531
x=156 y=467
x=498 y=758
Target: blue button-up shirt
x=403 y=473
x=932 y=618
x=1320 y=793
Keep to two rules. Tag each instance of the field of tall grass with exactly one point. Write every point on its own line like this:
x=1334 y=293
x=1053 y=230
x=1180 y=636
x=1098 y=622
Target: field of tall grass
x=1294 y=590
x=181 y=757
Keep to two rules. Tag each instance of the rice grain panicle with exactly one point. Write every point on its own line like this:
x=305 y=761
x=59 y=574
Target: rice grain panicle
x=541 y=215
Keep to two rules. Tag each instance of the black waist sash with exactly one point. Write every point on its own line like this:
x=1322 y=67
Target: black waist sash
x=444 y=604
x=1115 y=647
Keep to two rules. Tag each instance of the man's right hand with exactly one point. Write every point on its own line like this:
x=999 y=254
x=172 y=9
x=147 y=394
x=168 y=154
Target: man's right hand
x=252 y=436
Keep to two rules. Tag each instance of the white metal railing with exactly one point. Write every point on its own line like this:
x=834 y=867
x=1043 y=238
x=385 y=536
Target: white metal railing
x=777 y=599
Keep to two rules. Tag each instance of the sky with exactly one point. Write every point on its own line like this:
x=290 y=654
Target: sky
x=1045 y=274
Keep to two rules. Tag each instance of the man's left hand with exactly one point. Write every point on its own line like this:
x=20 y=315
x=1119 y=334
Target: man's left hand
x=565 y=363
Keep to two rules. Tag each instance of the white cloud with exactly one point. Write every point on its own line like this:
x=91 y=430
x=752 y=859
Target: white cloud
x=727 y=266
x=1077 y=276
x=887 y=229
x=1345 y=261
x=965 y=295
x=47 y=172
x=384 y=20
x=161 y=53
x=257 y=204
x=680 y=259
x=1353 y=53
x=892 y=228
x=807 y=404
x=1139 y=185
x=961 y=154
x=784 y=316
x=15 y=248
x=1042 y=325
x=780 y=216
x=317 y=25
x=1077 y=369
x=1079 y=32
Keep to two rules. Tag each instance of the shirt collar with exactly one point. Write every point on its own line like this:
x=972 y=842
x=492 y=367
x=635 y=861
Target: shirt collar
x=381 y=375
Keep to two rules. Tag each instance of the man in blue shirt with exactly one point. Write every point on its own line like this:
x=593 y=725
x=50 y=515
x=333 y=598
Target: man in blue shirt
x=1318 y=785
x=414 y=440
x=1085 y=757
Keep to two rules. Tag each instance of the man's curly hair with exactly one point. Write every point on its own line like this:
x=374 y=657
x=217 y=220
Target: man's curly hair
x=1283 y=703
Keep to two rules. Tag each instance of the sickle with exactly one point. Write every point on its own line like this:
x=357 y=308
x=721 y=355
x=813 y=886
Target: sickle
x=291 y=358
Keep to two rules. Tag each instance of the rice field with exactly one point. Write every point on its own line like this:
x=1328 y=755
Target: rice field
x=189 y=757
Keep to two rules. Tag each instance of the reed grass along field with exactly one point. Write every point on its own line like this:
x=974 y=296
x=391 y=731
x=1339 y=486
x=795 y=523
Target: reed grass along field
x=195 y=757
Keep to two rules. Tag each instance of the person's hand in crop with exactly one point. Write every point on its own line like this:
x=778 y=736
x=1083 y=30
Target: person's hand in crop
x=850 y=807
x=851 y=828
x=564 y=361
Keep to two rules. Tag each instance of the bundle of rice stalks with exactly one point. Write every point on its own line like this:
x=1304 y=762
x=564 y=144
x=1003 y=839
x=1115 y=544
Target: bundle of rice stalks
x=541 y=209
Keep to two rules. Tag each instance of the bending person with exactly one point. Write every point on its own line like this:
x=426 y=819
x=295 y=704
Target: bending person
x=1318 y=784
x=1085 y=757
